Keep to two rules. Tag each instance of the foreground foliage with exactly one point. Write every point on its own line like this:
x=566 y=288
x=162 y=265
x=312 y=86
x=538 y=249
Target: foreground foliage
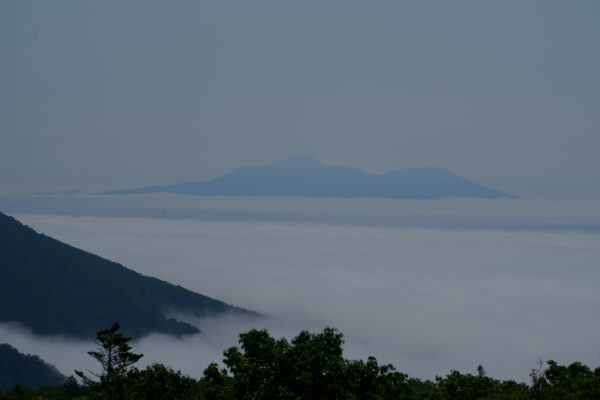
x=310 y=366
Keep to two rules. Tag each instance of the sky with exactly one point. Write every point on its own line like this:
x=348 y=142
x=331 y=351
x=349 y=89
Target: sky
x=427 y=300
x=148 y=92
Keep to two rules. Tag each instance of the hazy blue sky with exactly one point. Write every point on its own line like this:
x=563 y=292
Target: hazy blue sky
x=504 y=93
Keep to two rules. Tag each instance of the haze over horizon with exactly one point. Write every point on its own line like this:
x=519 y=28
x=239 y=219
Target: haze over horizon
x=504 y=94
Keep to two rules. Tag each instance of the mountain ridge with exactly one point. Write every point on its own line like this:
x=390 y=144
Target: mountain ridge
x=53 y=288
x=29 y=370
x=302 y=175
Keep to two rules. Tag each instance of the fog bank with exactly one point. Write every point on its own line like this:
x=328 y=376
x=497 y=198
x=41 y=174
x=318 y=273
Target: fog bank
x=426 y=300
x=451 y=213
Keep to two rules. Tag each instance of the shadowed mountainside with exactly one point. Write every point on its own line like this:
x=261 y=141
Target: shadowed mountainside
x=301 y=175
x=28 y=370
x=53 y=288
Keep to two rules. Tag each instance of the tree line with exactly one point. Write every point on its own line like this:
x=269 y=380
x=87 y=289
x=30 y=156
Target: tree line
x=309 y=367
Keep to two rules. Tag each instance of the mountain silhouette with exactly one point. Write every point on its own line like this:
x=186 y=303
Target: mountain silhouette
x=301 y=175
x=28 y=370
x=53 y=288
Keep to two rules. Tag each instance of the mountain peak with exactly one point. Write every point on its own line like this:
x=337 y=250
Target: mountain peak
x=302 y=157
x=299 y=160
x=434 y=167
x=303 y=175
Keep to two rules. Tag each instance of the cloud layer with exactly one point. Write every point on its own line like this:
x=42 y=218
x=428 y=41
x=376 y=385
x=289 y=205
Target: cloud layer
x=426 y=300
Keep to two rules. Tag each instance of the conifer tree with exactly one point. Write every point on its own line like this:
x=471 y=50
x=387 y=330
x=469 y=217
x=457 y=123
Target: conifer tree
x=116 y=359
x=113 y=353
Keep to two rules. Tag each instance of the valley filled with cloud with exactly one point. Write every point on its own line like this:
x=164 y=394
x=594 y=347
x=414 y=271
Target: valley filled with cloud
x=427 y=298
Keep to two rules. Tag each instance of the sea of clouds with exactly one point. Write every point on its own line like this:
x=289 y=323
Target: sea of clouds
x=428 y=286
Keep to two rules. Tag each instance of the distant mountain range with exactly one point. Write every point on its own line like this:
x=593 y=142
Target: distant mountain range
x=53 y=288
x=301 y=175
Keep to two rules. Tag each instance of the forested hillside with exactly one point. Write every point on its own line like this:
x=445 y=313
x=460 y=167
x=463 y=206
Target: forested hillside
x=28 y=370
x=309 y=367
x=53 y=288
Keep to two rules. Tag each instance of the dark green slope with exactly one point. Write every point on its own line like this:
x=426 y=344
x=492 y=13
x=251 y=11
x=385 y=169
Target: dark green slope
x=53 y=288
x=30 y=371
